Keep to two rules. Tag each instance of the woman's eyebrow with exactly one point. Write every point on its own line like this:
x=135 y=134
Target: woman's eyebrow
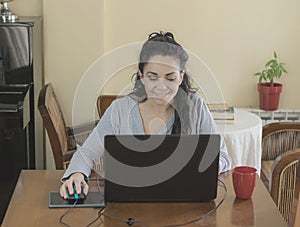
x=168 y=74
x=150 y=72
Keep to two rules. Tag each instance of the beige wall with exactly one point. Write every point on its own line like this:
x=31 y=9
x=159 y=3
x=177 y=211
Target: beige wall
x=27 y=7
x=234 y=38
x=73 y=41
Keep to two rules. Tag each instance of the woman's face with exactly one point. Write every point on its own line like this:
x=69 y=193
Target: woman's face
x=161 y=78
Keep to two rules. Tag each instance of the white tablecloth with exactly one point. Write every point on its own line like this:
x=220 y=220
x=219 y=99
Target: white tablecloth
x=243 y=139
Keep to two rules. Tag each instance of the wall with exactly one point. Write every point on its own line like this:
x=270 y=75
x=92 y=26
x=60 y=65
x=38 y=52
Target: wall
x=234 y=38
x=27 y=7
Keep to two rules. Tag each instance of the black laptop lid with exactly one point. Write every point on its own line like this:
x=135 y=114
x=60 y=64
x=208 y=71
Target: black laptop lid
x=161 y=168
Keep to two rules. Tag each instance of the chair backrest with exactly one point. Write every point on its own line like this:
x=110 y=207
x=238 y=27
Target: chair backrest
x=296 y=211
x=55 y=125
x=103 y=102
x=278 y=138
x=294 y=220
x=283 y=181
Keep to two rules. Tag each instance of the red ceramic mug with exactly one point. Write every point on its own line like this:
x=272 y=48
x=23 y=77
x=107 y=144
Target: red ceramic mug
x=244 y=180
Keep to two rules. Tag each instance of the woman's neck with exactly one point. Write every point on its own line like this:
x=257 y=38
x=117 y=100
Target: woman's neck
x=155 y=116
x=156 y=109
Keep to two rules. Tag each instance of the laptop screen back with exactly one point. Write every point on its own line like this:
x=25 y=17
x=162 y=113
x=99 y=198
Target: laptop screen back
x=161 y=168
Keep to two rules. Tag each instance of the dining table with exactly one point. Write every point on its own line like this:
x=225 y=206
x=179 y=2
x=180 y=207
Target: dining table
x=29 y=207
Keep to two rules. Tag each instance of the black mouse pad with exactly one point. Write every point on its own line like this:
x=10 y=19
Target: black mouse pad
x=93 y=199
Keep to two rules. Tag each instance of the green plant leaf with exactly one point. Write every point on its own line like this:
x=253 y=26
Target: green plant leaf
x=272 y=61
x=273 y=69
x=282 y=66
x=278 y=72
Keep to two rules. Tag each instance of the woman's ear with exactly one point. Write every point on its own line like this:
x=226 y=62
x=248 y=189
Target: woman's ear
x=182 y=73
x=141 y=76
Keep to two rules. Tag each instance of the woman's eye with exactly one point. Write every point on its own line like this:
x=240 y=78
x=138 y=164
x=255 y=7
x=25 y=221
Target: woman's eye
x=153 y=77
x=171 y=79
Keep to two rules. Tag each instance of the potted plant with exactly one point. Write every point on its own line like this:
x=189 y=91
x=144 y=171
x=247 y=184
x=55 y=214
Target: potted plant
x=269 y=91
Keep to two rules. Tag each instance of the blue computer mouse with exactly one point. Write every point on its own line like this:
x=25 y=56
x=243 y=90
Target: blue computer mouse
x=75 y=196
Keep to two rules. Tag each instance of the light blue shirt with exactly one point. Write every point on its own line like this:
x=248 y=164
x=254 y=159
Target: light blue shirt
x=123 y=117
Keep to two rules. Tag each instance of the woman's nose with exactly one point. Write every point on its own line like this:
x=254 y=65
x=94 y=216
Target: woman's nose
x=162 y=84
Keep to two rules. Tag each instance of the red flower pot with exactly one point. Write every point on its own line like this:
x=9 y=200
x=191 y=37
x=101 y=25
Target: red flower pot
x=269 y=95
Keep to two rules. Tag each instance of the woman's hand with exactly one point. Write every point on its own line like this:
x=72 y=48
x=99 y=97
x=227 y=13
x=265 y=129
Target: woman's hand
x=78 y=180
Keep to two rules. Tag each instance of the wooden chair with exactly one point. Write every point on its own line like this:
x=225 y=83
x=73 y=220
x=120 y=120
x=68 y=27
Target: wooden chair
x=294 y=220
x=283 y=180
x=103 y=102
x=62 y=138
x=277 y=138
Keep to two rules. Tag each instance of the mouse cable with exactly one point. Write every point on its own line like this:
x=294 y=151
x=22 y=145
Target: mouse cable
x=100 y=211
x=129 y=221
x=98 y=217
x=61 y=217
x=222 y=184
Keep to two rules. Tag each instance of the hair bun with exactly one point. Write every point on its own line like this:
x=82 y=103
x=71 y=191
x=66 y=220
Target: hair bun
x=160 y=35
x=169 y=34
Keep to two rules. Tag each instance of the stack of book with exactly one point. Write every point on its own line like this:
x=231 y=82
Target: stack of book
x=222 y=113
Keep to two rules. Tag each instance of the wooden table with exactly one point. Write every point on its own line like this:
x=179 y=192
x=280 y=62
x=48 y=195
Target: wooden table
x=29 y=207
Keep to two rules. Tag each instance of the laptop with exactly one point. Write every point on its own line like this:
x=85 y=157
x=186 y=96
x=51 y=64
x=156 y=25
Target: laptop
x=161 y=168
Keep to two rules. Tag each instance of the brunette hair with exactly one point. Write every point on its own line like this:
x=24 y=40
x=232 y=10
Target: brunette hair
x=164 y=44
x=160 y=43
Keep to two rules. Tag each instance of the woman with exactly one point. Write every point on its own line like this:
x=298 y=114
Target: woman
x=162 y=102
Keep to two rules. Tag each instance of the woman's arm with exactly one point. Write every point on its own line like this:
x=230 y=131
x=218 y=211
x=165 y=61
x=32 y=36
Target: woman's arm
x=88 y=154
x=207 y=126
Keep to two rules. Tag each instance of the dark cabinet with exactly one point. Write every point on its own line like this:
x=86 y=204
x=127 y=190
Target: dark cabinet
x=21 y=79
